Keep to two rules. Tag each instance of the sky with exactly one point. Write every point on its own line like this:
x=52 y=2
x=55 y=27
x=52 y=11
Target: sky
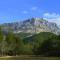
x=17 y=10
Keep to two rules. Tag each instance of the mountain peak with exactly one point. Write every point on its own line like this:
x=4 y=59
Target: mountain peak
x=33 y=25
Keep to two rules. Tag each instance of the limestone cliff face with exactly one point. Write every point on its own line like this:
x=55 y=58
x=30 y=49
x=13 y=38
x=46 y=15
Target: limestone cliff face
x=33 y=25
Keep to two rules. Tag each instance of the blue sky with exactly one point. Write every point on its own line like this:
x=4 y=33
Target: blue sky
x=17 y=10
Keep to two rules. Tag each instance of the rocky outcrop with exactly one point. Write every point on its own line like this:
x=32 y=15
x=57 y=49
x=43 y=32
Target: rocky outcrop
x=33 y=25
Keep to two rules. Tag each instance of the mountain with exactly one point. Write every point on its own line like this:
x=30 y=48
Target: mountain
x=33 y=25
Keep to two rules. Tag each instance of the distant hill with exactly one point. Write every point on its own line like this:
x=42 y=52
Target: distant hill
x=40 y=37
x=33 y=25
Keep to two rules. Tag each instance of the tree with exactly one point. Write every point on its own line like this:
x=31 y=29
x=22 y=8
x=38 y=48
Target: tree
x=50 y=47
x=10 y=39
x=46 y=44
x=15 y=44
x=19 y=47
x=2 y=39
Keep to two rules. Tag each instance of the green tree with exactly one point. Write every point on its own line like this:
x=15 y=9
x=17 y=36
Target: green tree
x=15 y=44
x=50 y=47
x=10 y=39
x=42 y=42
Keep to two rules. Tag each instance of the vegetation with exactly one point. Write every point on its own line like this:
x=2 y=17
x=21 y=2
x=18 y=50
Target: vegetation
x=43 y=44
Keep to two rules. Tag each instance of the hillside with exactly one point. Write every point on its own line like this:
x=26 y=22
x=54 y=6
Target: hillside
x=45 y=44
x=39 y=38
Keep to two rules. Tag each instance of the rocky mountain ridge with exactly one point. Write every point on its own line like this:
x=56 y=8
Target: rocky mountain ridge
x=33 y=25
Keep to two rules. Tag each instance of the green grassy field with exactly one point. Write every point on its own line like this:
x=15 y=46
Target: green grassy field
x=30 y=58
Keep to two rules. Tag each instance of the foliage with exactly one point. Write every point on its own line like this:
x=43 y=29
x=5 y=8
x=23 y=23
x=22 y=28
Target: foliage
x=44 y=43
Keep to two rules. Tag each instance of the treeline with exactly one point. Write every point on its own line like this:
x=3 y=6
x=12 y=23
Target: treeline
x=43 y=44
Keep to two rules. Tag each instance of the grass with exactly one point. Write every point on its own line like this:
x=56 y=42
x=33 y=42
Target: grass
x=29 y=58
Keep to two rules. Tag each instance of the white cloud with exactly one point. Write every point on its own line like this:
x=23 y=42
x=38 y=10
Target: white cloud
x=52 y=17
x=34 y=8
x=25 y=12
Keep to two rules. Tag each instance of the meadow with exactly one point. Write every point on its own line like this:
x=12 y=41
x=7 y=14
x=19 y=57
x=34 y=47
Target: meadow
x=29 y=58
